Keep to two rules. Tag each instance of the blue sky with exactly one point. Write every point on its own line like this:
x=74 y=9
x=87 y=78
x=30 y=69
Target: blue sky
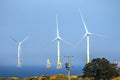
x=37 y=18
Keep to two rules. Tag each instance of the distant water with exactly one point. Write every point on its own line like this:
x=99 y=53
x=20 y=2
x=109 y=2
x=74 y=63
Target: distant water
x=26 y=71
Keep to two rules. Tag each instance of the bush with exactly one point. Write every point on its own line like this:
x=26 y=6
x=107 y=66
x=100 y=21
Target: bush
x=100 y=68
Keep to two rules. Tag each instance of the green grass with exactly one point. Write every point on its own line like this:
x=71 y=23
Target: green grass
x=59 y=79
x=67 y=79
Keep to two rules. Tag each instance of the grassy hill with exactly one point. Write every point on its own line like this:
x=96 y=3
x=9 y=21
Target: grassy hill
x=43 y=77
x=52 y=77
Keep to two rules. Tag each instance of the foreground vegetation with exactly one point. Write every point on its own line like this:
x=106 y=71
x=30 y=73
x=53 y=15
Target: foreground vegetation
x=97 y=69
x=101 y=69
x=54 y=77
x=44 y=77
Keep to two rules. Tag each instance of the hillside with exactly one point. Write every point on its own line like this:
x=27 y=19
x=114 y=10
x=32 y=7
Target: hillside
x=43 y=77
x=52 y=77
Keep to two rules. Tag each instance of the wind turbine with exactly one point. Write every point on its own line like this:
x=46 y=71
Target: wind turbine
x=87 y=34
x=19 y=50
x=58 y=39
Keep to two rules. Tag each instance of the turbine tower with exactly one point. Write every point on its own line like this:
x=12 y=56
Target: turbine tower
x=19 y=50
x=58 y=39
x=87 y=34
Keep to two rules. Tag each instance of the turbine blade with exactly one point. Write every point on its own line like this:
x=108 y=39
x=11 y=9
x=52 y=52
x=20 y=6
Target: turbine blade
x=83 y=21
x=84 y=36
x=24 y=39
x=78 y=43
x=14 y=39
x=66 y=42
x=81 y=40
x=54 y=39
x=98 y=35
x=57 y=26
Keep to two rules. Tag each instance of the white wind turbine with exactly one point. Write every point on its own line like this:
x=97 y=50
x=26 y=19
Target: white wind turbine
x=58 y=39
x=19 y=50
x=87 y=34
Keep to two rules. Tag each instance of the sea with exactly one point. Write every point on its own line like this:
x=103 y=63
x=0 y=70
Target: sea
x=28 y=71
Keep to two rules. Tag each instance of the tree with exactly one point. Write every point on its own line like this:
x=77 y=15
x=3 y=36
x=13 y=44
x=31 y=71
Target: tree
x=100 y=68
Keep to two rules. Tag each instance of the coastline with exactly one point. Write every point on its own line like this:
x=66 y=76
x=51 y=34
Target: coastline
x=25 y=71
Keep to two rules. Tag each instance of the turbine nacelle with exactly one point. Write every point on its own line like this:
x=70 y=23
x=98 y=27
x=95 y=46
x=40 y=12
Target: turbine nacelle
x=88 y=34
x=58 y=38
x=19 y=43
